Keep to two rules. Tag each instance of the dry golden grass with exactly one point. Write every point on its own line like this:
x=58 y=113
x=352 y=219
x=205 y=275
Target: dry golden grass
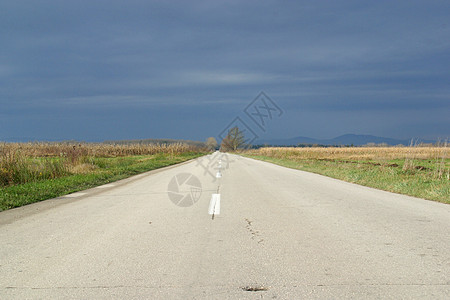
x=354 y=153
x=74 y=150
x=83 y=168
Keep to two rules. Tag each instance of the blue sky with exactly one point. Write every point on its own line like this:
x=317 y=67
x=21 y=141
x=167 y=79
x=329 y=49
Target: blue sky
x=102 y=70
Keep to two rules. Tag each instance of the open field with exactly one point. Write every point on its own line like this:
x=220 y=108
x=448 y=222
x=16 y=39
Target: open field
x=71 y=149
x=37 y=171
x=416 y=171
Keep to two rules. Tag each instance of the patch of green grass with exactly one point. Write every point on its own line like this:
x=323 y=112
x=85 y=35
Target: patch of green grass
x=389 y=175
x=107 y=170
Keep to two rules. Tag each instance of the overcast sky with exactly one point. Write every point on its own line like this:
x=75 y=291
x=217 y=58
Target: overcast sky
x=102 y=70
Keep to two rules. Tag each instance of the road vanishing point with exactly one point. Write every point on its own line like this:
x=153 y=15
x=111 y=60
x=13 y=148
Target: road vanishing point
x=280 y=234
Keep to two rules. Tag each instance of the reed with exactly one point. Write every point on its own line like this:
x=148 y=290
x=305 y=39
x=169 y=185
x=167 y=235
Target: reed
x=352 y=153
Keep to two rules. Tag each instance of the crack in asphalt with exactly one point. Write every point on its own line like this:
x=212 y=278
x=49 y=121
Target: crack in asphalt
x=253 y=232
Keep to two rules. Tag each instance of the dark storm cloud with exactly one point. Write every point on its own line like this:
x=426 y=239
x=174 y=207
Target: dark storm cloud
x=136 y=69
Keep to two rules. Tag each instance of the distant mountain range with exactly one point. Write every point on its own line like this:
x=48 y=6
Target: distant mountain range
x=346 y=139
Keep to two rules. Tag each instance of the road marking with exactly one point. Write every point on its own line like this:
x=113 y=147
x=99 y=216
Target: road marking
x=214 y=205
x=218 y=175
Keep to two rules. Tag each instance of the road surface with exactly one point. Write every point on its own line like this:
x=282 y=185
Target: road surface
x=280 y=234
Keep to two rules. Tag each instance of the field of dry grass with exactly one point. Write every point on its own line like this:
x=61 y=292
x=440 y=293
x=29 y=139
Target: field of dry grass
x=91 y=149
x=355 y=153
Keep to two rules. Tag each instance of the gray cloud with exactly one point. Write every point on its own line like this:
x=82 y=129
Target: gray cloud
x=99 y=61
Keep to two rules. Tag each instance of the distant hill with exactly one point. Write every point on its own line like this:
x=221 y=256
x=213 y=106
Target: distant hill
x=346 y=139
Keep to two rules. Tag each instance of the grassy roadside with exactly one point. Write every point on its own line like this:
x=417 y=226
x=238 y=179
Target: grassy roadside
x=104 y=170
x=389 y=175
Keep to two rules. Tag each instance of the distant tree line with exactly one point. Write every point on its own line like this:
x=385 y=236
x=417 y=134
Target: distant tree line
x=157 y=142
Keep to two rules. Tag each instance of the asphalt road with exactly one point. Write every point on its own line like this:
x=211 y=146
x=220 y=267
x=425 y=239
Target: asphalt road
x=280 y=234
